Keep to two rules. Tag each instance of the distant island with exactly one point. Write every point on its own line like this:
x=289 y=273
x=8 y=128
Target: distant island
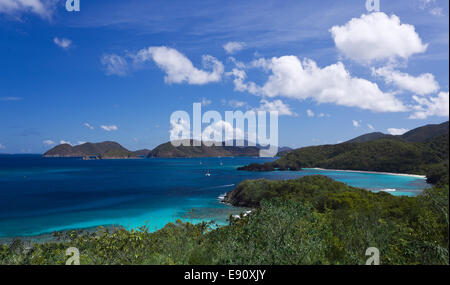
x=167 y=150
x=103 y=150
x=113 y=150
x=424 y=150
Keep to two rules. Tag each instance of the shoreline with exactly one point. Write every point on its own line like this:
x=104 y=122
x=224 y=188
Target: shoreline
x=372 y=172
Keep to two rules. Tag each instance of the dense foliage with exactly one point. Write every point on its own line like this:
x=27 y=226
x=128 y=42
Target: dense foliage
x=386 y=155
x=311 y=220
x=188 y=150
x=107 y=149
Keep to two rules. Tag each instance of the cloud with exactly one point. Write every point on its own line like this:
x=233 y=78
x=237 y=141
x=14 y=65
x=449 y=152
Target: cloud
x=239 y=78
x=421 y=85
x=7 y=99
x=293 y=78
x=356 y=124
x=238 y=64
x=62 y=43
x=114 y=64
x=65 y=142
x=2 y=146
x=216 y=130
x=370 y=127
x=276 y=105
x=109 y=128
x=87 y=125
x=310 y=113
x=435 y=11
x=321 y=115
x=237 y=104
x=179 y=68
x=433 y=106
x=43 y=8
x=233 y=47
x=438 y=12
x=206 y=102
x=375 y=37
x=396 y=132
x=48 y=142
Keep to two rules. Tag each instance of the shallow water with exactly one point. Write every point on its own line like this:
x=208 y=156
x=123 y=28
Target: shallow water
x=39 y=195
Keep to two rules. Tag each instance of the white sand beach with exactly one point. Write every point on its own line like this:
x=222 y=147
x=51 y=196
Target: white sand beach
x=374 y=172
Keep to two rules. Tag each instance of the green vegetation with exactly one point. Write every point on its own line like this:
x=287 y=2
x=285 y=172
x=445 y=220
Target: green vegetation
x=168 y=150
x=101 y=150
x=420 y=134
x=311 y=220
x=384 y=155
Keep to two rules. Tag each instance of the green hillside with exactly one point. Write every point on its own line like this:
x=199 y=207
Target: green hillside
x=168 y=150
x=385 y=155
x=105 y=149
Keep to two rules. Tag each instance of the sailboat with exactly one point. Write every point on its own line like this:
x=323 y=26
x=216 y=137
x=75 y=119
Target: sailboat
x=208 y=173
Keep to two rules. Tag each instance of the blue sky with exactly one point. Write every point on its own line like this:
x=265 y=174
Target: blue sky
x=127 y=65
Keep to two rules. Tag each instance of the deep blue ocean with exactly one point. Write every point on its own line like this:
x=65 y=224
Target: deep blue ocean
x=40 y=195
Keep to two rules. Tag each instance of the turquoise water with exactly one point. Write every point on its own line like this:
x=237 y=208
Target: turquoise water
x=40 y=195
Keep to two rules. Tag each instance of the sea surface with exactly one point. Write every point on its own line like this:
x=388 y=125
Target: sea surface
x=40 y=195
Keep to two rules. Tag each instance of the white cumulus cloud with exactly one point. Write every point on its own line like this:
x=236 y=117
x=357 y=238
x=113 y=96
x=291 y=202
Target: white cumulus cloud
x=421 y=85
x=432 y=106
x=233 y=47
x=396 y=132
x=220 y=130
x=276 y=105
x=377 y=36
x=310 y=113
x=292 y=78
x=179 y=68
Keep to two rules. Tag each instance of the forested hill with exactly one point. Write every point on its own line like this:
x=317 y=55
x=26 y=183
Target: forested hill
x=169 y=151
x=105 y=149
x=426 y=133
x=420 y=134
x=384 y=154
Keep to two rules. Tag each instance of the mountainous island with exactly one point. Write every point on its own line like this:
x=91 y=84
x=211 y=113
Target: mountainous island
x=113 y=150
x=103 y=150
x=169 y=151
